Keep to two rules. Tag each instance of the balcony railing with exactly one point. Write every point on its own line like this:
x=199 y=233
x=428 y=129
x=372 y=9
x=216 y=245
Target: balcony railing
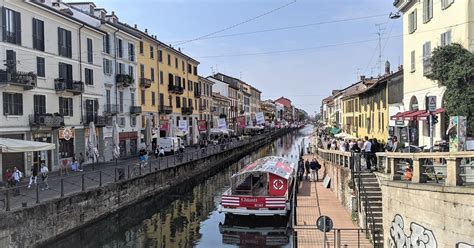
x=27 y=80
x=124 y=80
x=99 y=121
x=427 y=67
x=75 y=87
x=111 y=109
x=202 y=108
x=165 y=110
x=197 y=93
x=46 y=120
x=145 y=82
x=176 y=89
x=187 y=110
x=135 y=110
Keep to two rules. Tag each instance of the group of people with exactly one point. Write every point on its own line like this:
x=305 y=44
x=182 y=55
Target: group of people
x=15 y=177
x=310 y=169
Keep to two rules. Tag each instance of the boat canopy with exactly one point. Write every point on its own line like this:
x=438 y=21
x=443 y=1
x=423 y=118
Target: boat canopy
x=275 y=165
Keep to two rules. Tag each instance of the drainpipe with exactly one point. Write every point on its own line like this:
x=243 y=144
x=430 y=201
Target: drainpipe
x=115 y=71
x=80 y=71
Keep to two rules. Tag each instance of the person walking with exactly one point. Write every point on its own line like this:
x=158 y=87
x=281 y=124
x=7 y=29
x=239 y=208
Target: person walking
x=8 y=177
x=162 y=152
x=314 y=170
x=395 y=145
x=366 y=150
x=74 y=163
x=16 y=178
x=33 y=176
x=44 y=175
x=156 y=152
x=300 y=169
x=142 y=157
x=306 y=167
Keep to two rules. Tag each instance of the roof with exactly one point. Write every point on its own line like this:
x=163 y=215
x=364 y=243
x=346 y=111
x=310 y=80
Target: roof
x=206 y=79
x=275 y=165
x=381 y=80
x=219 y=96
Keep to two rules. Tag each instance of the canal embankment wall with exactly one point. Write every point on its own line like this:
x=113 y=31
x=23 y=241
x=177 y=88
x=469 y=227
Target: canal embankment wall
x=38 y=224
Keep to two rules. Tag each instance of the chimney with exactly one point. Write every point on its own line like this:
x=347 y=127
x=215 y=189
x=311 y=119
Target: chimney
x=179 y=49
x=146 y=30
x=387 y=67
x=135 y=26
x=362 y=78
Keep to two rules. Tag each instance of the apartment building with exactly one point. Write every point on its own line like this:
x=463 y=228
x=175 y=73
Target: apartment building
x=205 y=99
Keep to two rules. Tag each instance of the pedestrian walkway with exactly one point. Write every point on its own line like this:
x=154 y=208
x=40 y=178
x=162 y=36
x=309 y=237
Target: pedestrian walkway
x=313 y=201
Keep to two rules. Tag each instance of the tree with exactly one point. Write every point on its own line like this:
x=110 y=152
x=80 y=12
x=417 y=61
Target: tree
x=453 y=67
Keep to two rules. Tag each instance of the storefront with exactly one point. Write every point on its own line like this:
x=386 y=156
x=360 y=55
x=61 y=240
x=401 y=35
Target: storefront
x=128 y=142
x=10 y=160
x=66 y=145
x=45 y=156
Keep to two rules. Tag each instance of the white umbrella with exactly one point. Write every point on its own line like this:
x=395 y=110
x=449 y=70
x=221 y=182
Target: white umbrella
x=171 y=128
x=115 y=141
x=92 y=151
x=195 y=132
x=148 y=134
x=15 y=145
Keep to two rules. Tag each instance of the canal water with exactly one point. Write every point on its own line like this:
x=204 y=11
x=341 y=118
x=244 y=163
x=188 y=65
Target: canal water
x=188 y=216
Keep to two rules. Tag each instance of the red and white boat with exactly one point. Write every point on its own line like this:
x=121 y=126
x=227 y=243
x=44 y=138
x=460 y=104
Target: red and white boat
x=262 y=188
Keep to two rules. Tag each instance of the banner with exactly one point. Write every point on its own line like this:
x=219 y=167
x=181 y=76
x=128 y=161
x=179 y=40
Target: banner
x=221 y=123
x=260 y=118
x=202 y=126
x=241 y=122
x=164 y=125
x=183 y=125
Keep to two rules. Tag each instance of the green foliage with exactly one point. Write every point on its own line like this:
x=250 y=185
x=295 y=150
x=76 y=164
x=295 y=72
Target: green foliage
x=453 y=67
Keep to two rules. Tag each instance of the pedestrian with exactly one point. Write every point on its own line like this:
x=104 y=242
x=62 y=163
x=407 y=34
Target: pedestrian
x=74 y=163
x=8 y=176
x=306 y=167
x=80 y=161
x=142 y=157
x=162 y=152
x=355 y=148
x=17 y=176
x=33 y=176
x=156 y=152
x=44 y=175
x=300 y=169
x=366 y=150
x=314 y=170
x=395 y=145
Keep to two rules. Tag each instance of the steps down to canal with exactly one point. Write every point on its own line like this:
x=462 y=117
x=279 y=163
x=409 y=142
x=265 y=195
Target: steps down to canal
x=370 y=212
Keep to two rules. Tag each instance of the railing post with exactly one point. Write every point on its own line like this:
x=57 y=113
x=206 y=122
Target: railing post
x=100 y=178
x=82 y=179
x=418 y=177
x=393 y=167
x=37 y=194
x=7 y=200
x=115 y=174
x=62 y=187
x=453 y=169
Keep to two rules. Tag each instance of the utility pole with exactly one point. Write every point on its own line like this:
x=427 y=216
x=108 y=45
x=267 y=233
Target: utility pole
x=379 y=34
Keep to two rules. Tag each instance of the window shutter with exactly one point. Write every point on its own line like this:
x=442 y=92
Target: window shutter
x=60 y=40
x=11 y=60
x=68 y=44
x=415 y=19
x=5 y=103
x=18 y=27
x=61 y=106
x=19 y=99
x=35 y=34
x=69 y=72
x=448 y=37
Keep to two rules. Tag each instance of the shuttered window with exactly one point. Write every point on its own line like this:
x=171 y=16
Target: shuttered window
x=65 y=72
x=412 y=19
x=89 y=76
x=40 y=67
x=11 y=26
x=427 y=10
x=66 y=106
x=90 y=53
x=11 y=60
x=39 y=104
x=64 y=43
x=12 y=103
x=106 y=45
x=413 y=61
x=107 y=66
x=446 y=38
x=38 y=34
x=446 y=3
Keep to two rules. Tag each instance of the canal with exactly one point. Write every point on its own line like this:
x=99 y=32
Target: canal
x=188 y=217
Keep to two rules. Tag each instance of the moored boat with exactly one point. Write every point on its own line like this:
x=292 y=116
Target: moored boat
x=262 y=188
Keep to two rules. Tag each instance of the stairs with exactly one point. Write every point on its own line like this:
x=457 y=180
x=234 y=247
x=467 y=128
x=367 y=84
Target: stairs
x=370 y=206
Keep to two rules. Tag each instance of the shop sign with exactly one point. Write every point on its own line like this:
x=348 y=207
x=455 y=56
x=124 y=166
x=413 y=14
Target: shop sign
x=183 y=125
x=399 y=123
x=164 y=125
x=260 y=118
x=66 y=133
x=202 y=126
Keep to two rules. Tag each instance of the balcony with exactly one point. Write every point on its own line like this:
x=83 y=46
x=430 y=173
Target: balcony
x=46 y=120
x=135 y=110
x=202 y=108
x=27 y=80
x=99 y=121
x=111 y=109
x=123 y=80
x=187 y=110
x=427 y=67
x=197 y=93
x=145 y=82
x=63 y=85
x=175 y=89
x=165 y=110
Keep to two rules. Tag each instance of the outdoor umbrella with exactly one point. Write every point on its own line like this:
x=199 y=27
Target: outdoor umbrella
x=115 y=142
x=92 y=151
x=15 y=145
x=171 y=128
x=148 y=134
x=195 y=132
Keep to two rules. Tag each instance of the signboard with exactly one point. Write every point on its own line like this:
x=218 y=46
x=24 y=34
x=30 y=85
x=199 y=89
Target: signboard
x=260 y=118
x=202 y=125
x=324 y=223
x=326 y=182
x=277 y=186
x=432 y=103
x=164 y=125
x=241 y=121
x=399 y=123
x=183 y=125
x=66 y=133
x=221 y=123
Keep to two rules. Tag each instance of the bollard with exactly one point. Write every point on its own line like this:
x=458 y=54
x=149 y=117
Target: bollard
x=100 y=178
x=83 y=186
x=62 y=187
x=37 y=194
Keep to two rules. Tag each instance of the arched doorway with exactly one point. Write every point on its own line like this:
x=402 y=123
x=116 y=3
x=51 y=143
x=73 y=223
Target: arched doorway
x=413 y=126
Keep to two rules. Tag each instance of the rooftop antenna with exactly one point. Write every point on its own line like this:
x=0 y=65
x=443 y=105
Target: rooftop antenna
x=379 y=33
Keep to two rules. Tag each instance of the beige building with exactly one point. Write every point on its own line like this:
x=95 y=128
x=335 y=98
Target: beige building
x=205 y=99
x=428 y=24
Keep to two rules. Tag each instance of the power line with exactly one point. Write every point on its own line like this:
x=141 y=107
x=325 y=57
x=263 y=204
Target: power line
x=238 y=24
x=287 y=27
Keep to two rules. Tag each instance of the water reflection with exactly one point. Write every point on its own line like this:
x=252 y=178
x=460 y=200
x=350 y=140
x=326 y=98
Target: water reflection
x=187 y=216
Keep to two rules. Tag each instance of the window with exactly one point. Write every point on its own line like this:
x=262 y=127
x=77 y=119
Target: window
x=161 y=99
x=121 y=101
x=12 y=103
x=170 y=101
x=143 y=97
x=161 y=77
x=152 y=52
x=132 y=98
x=131 y=52
x=121 y=68
x=184 y=102
x=65 y=106
x=182 y=65
x=141 y=47
x=169 y=59
x=160 y=56
x=107 y=66
x=120 y=48
x=11 y=27
x=40 y=67
x=190 y=68
x=195 y=72
x=142 y=71
x=190 y=85
x=152 y=74
x=121 y=122
x=90 y=54
x=38 y=34
x=426 y=58
x=65 y=72
x=92 y=106
x=412 y=22
x=131 y=71
x=446 y=38
x=39 y=104
x=427 y=10
x=178 y=102
x=11 y=60
x=176 y=62
x=413 y=61
x=89 y=77
x=190 y=103
x=64 y=43
x=446 y=3
x=107 y=97
x=153 y=98
x=106 y=45
x=170 y=79
x=133 y=121
x=184 y=84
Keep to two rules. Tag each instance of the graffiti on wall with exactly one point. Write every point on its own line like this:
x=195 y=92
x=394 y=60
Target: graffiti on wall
x=419 y=236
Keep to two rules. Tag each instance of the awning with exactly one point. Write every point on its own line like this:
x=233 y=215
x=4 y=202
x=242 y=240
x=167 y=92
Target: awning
x=414 y=115
x=16 y=145
x=335 y=130
x=400 y=115
x=425 y=115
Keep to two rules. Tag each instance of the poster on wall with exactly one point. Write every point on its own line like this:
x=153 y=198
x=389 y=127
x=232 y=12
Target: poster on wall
x=260 y=118
x=202 y=126
x=457 y=133
x=221 y=123
x=183 y=125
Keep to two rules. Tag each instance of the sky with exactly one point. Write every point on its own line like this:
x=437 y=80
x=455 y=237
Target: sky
x=303 y=64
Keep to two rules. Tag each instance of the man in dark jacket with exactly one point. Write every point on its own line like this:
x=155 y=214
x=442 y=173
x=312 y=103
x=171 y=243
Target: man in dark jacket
x=306 y=167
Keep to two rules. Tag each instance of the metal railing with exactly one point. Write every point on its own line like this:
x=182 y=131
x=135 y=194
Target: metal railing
x=337 y=237
x=14 y=197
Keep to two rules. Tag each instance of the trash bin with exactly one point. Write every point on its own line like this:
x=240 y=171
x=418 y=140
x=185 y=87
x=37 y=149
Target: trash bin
x=120 y=173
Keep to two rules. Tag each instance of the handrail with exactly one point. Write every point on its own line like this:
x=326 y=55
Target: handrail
x=367 y=209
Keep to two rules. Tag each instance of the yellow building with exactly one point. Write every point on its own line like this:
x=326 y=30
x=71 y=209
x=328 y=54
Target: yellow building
x=350 y=106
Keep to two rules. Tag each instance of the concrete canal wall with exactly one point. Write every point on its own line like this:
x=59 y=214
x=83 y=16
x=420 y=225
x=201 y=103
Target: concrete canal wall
x=37 y=224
